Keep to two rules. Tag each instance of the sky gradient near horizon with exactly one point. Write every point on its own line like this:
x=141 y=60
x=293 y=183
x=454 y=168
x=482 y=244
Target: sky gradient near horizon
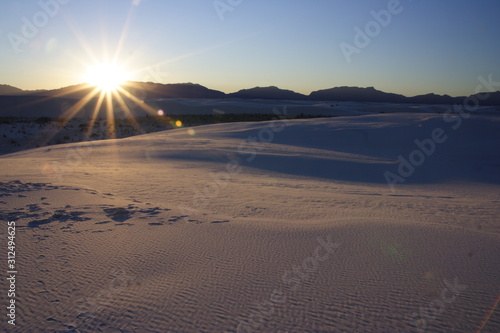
x=228 y=45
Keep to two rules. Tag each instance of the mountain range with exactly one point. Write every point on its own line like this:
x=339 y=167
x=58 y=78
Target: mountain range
x=150 y=90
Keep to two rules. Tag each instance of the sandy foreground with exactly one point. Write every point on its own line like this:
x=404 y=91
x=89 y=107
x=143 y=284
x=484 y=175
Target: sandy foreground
x=284 y=226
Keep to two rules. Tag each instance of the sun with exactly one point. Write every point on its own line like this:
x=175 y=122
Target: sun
x=106 y=77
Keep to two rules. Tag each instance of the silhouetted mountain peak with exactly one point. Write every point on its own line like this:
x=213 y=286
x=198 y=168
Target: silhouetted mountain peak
x=357 y=94
x=271 y=92
x=6 y=89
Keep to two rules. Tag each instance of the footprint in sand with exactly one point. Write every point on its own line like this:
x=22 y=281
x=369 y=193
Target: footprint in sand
x=60 y=215
x=156 y=223
x=103 y=222
x=37 y=223
x=177 y=218
x=118 y=214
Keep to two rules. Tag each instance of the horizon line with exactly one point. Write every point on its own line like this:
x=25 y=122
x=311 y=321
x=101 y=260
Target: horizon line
x=227 y=93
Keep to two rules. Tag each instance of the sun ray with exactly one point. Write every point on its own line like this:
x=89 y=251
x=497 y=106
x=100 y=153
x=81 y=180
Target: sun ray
x=67 y=91
x=71 y=90
x=130 y=116
x=94 y=115
x=165 y=120
x=72 y=111
x=110 y=116
x=201 y=51
x=70 y=21
x=140 y=103
x=79 y=105
x=123 y=36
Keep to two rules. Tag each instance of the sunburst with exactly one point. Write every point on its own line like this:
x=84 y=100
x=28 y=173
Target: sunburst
x=106 y=76
x=107 y=84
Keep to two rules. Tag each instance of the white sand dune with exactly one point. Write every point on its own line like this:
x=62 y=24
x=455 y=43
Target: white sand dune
x=284 y=226
x=200 y=106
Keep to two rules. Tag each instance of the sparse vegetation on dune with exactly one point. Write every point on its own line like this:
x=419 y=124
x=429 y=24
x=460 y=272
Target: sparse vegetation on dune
x=30 y=132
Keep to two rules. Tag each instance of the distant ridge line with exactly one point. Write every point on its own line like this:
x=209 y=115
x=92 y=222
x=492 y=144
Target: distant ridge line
x=150 y=90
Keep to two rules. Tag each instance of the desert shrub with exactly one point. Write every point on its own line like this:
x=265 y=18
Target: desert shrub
x=43 y=120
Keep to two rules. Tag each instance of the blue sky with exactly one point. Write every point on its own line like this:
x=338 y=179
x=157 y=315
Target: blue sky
x=428 y=45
